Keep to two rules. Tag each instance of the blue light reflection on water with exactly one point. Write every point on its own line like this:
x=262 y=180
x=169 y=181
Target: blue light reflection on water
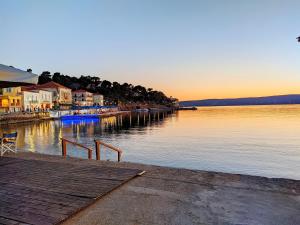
x=74 y=121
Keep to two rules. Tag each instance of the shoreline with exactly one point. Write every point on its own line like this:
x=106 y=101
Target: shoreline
x=36 y=117
x=8 y=120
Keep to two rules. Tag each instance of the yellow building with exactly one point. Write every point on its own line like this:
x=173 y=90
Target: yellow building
x=10 y=99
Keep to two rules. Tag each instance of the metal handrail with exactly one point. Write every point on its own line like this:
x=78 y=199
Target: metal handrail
x=98 y=143
x=64 y=147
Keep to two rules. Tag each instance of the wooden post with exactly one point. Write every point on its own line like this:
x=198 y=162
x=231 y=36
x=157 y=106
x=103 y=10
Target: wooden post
x=97 y=150
x=119 y=156
x=90 y=153
x=63 y=148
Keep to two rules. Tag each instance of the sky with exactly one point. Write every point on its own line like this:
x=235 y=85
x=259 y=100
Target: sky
x=188 y=49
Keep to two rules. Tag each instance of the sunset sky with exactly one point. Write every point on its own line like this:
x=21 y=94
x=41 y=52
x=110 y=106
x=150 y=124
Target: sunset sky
x=188 y=49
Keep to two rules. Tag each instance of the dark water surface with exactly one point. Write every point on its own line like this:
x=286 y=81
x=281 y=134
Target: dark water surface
x=255 y=140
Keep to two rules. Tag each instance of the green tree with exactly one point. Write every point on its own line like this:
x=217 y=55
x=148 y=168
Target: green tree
x=45 y=77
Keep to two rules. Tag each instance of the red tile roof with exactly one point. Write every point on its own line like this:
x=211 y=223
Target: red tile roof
x=50 y=84
x=29 y=88
x=80 y=91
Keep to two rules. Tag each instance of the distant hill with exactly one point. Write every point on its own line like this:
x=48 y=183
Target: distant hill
x=269 y=100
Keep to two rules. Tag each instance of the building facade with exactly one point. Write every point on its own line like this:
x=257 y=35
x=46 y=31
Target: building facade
x=10 y=100
x=61 y=95
x=30 y=101
x=82 y=98
x=36 y=100
x=45 y=100
x=98 y=100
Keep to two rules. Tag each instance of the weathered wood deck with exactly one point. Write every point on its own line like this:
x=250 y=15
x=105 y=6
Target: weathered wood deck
x=161 y=196
x=41 y=192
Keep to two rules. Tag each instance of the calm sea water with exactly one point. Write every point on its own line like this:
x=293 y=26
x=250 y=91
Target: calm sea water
x=255 y=140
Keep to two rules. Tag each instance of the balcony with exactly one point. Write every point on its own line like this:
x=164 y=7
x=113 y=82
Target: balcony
x=15 y=104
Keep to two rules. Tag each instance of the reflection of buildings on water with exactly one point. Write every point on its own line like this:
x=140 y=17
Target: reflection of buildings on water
x=77 y=127
x=140 y=120
x=45 y=136
x=29 y=135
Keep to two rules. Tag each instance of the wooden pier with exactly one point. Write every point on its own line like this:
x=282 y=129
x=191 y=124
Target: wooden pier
x=42 y=192
x=48 y=189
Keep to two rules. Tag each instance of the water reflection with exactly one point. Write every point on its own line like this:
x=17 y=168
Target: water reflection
x=44 y=137
x=257 y=140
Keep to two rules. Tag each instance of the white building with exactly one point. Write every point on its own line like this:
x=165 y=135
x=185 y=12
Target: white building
x=34 y=100
x=82 y=98
x=45 y=99
x=61 y=95
x=30 y=101
x=98 y=99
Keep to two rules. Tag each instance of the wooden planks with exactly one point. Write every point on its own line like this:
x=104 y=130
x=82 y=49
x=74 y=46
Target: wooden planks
x=41 y=192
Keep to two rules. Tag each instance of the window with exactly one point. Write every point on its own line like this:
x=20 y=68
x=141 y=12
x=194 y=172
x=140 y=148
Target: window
x=8 y=90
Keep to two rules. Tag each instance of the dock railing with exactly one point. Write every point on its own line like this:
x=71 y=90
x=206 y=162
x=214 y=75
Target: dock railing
x=64 y=143
x=98 y=144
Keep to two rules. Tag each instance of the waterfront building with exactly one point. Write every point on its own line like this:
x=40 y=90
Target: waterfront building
x=36 y=100
x=45 y=100
x=82 y=98
x=61 y=95
x=30 y=101
x=10 y=99
x=98 y=99
x=11 y=80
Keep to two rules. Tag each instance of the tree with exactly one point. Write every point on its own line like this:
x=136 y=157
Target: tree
x=45 y=77
x=113 y=92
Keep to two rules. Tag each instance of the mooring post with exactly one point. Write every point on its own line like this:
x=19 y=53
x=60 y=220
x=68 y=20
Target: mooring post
x=97 y=150
x=119 y=156
x=63 y=148
x=90 y=153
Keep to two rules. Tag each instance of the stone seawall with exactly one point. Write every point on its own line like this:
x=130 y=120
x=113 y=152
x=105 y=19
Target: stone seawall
x=23 y=117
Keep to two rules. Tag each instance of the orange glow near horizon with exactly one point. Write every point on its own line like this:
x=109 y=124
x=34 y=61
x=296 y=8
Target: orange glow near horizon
x=232 y=91
x=213 y=80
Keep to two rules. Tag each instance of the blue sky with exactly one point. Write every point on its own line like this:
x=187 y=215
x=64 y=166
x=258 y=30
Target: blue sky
x=189 y=49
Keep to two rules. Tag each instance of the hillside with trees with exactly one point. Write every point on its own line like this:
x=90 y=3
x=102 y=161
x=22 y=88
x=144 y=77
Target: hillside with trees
x=268 y=100
x=114 y=92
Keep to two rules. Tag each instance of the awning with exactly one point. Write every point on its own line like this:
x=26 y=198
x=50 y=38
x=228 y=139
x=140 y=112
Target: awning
x=12 y=77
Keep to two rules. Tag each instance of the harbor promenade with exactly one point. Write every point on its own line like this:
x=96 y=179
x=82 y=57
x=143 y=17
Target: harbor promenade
x=160 y=196
x=20 y=117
